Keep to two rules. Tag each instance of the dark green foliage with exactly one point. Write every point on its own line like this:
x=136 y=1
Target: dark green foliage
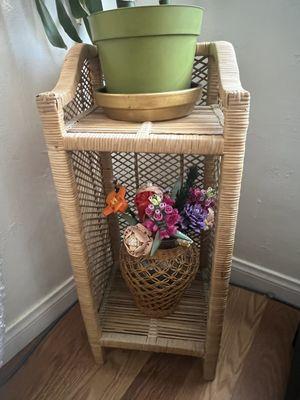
x=93 y=5
x=76 y=9
x=125 y=3
x=79 y=9
x=66 y=22
x=182 y=194
x=50 y=28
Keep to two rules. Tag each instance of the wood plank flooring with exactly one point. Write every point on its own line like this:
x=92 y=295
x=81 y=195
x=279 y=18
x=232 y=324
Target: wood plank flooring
x=253 y=365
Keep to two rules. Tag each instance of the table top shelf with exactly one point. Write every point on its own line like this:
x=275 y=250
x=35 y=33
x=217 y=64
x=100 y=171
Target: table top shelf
x=183 y=332
x=199 y=133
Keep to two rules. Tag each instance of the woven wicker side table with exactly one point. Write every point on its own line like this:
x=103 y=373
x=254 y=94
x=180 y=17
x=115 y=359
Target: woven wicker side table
x=86 y=149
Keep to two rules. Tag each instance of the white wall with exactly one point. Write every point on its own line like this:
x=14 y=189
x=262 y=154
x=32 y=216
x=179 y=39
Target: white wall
x=36 y=266
x=33 y=251
x=266 y=37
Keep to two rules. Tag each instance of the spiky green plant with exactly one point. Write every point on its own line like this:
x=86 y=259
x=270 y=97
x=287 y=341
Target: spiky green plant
x=183 y=192
x=80 y=9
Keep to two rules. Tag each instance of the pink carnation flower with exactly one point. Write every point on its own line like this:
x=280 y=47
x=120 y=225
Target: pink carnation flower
x=151 y=225
x=158 y=215
x=172 y=219
x=168 y=200
x=149 y=210
x=168 y=232
x=168 y=209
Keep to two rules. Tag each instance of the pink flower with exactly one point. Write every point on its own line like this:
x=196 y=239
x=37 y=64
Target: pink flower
x=158 y=215
x=197 y=192
x=172 y=230
x=168 y=200
x=172 y=219
x=149 y=210
x=151 y=225
x=168 y=232
x=164 y=234
x=168 y=209
x=162 y=206
x=138 y=240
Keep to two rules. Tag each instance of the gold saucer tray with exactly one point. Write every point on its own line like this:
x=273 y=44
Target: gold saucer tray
x=143 y=107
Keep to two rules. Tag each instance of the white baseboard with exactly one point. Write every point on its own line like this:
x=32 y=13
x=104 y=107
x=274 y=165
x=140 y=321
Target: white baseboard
x=39 y=317
x=279 y=286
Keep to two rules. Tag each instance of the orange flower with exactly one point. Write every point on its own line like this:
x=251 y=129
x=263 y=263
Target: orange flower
x=116 y=202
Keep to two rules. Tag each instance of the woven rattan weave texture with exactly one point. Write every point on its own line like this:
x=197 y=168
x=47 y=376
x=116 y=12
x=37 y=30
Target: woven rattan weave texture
x=157 y=283
x=85 y=151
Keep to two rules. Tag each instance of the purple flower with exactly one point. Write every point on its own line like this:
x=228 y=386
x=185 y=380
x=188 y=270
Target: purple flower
x=193 y=217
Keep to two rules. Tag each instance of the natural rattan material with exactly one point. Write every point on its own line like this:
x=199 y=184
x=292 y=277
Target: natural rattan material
x=183 y=332
x=83 y=162
x=157 y=283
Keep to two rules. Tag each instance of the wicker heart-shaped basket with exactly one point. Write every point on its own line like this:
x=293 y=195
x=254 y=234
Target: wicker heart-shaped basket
x=157 y=283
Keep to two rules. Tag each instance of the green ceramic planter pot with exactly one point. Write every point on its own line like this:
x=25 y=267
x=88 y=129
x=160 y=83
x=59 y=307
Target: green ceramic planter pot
x=147 y=49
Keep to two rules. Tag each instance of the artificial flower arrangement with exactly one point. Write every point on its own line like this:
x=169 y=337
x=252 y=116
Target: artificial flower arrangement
x=163 y=214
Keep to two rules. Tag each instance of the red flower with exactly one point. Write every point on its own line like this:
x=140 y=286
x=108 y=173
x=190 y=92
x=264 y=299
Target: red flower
x=141 y=201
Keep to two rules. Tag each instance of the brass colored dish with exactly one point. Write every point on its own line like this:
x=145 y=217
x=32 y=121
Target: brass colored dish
x=143 y=107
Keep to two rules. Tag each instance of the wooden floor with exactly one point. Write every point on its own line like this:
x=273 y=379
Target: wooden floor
x=253 y=365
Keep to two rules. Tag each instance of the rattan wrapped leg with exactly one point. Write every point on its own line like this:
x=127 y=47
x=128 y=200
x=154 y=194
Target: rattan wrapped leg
x=236 y=123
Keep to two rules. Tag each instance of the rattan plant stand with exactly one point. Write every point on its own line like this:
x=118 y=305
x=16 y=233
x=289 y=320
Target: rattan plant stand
x=86 y=149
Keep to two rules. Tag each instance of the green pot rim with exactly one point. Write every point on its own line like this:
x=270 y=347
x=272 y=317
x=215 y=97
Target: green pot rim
x=114 y=10
x=143 y=21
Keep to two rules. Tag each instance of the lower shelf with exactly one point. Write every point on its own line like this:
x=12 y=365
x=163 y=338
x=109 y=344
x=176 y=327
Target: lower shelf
x=183 y=332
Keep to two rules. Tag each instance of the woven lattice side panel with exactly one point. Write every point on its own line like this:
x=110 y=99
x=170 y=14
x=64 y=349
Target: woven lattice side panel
x=88 y=176
x=200 y=76
x=83 y=99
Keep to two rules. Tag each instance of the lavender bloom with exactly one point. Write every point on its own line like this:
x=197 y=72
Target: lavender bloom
x=193 y=217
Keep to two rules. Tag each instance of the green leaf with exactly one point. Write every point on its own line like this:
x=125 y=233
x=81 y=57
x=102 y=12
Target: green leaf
x=175 y=189
x=182 y=236
x=129 y=219
x=94 y=5
x=91 y=6
x=183 y=193
x=156 y=244
x=87 y=27
x=125 y=3
x=76 y=9
x=66 y=22
x=84 y=6
x=51 y=30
